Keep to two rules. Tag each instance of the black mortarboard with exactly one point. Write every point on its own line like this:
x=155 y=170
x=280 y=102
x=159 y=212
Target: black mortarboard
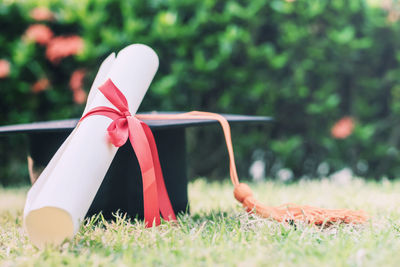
x=122 y=186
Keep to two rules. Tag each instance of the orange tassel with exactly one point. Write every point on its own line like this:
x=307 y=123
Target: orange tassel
x=242 y=192
x=292 y=212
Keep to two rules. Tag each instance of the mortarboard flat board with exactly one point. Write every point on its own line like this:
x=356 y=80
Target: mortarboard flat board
x=121 y=188
x=70 y=124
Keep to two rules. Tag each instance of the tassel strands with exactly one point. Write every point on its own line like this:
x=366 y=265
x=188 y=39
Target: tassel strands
x=292 y=212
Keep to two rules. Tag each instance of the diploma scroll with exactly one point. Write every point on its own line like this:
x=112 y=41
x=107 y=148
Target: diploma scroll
x=59 y=200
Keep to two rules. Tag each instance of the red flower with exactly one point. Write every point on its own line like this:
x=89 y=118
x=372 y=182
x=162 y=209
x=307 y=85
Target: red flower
x=4 y=68
x=61 y=47
x=76 y=80
x=40 y=85
x=76 y=84
x=42 y=13
x=39 y=33
x=343 y=128
x=80 y=96
x=393 y=16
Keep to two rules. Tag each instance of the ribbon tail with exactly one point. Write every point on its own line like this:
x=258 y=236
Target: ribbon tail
x=142 y=149
x=163 y=199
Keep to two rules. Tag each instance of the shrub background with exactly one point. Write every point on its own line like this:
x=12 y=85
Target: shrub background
x=306 y=63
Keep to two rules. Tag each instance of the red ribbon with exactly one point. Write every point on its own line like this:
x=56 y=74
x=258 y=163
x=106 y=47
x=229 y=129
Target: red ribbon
x=124 y=126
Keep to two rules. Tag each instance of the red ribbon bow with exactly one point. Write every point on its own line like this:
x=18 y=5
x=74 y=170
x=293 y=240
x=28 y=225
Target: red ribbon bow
x=124 y=126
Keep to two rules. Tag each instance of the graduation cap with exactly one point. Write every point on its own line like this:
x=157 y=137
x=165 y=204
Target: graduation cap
x=77 y=173
x=121 y=189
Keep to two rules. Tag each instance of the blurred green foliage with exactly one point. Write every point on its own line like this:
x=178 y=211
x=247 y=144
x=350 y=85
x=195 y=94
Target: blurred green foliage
x=306 y=63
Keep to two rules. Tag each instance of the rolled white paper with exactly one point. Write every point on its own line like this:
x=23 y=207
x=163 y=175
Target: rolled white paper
x=57 y=208
x=99 y=80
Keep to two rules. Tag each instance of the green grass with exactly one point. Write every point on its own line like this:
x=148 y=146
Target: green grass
x=219 y=233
